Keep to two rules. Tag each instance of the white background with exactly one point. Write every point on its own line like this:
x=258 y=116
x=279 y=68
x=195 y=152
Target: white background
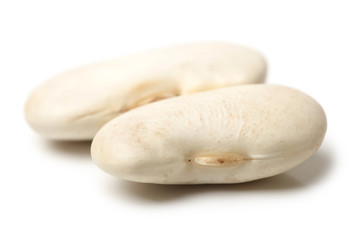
x=53 y=190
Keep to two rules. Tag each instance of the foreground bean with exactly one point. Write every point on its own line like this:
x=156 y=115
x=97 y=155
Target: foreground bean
x=230 y=135
x=75 y=104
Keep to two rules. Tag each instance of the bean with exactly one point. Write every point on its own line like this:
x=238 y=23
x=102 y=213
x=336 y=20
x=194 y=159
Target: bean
x=229 y=135
x=75 y=104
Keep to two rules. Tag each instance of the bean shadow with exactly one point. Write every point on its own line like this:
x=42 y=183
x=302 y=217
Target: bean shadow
x=76 y=149
x=307 y=174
